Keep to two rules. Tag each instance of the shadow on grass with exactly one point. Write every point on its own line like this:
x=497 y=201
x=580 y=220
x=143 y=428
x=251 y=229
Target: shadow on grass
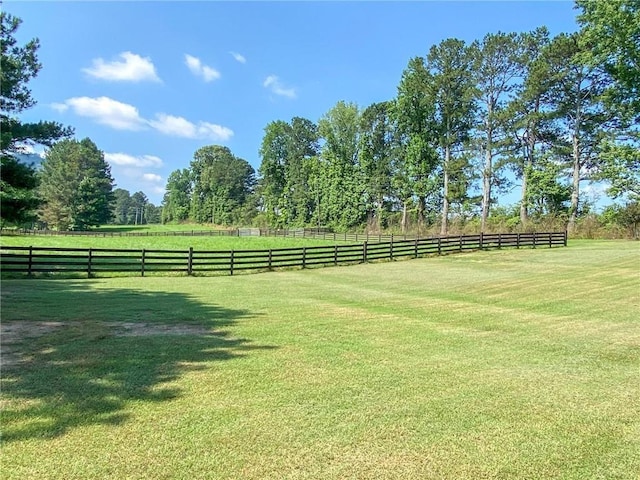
x=87 y=360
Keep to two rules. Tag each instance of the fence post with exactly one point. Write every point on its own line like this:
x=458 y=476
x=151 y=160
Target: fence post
x=89 y=263
x=270 y=254
x=364 y=252
x=499 y=240
x=335 y=254
x=231 y=262
x=481 y=241
x=142 y=263
x=517 y=240
x=460 y=242
x=30 y=267
x=415 y=248
x=304 y=257
x=535 y=234
x=439 y=245
x=549 y=239
x=566 y=234
x=190 y=262
x=391 y=250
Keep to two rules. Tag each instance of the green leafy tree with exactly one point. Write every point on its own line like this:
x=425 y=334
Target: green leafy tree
x=342 y=183
x=76 y=186
x=18 y=65
x=620 y=167
x=18 y=195
x=289 y=152
x=547 y=194
x=377 y=149
x=577 y=92
x=414 y=113
x=121 y=206
x=303 y=154
x=176 y=202
x=450 y=64
x=528 y=118
x=139 y=202
x=152 y=213
x=274 y=152
x=222 y=183
x=497 y=70
x=611 y=36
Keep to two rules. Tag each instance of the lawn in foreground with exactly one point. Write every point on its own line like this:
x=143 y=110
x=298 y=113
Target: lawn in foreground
x=502 y=364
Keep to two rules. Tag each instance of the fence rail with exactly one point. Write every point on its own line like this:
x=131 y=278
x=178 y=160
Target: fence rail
x=99 y=261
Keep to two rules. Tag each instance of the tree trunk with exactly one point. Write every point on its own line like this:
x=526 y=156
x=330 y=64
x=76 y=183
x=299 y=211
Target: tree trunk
x=575 y=190
x=532 y=137
x=445 y=194
x=404 y=217
x=488 y=165
x=528 y=163
x=486 y=182
x=524 y=204
x=421 y=209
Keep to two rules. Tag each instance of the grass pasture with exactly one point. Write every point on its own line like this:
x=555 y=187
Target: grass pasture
x=178 y=242
x=494 y=364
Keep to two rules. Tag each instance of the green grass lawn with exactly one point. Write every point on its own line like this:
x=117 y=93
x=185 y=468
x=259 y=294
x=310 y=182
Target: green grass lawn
x=160 y=242
x=503 y=364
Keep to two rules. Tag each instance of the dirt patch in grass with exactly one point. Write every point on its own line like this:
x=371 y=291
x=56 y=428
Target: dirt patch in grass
x=14 y=334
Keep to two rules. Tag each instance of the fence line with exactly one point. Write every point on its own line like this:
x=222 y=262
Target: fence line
x=310 y=233
x=96 y=261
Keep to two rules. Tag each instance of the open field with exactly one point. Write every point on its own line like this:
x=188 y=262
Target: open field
x=161 y=242
x=494 y=364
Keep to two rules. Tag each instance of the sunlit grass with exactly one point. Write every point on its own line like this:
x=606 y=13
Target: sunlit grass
x=179 y=242
x=502 y=364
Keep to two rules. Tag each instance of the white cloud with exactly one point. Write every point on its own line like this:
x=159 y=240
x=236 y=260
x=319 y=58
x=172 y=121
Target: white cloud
x=238 y=57
x=213 y=131
x=272 y=82
x=124 y=159
x=174 y=126
x=106 y=111
x=60 y=107
x=132 y=68
x=181 y=127
x=152 y=177
x=196 y=67
x=122 y=116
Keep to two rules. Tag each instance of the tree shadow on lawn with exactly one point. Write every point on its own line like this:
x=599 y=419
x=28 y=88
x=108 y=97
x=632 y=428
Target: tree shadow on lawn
x=109 y=348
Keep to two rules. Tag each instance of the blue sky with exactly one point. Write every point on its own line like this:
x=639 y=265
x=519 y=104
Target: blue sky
x=151 y=82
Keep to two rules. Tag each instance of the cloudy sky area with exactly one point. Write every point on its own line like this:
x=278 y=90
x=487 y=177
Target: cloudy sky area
x=150 y=83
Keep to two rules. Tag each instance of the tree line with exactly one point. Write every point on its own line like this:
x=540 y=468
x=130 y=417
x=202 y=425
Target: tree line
x=470 y=122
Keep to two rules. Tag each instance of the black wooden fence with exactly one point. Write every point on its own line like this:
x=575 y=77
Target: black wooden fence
x=98 y=261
